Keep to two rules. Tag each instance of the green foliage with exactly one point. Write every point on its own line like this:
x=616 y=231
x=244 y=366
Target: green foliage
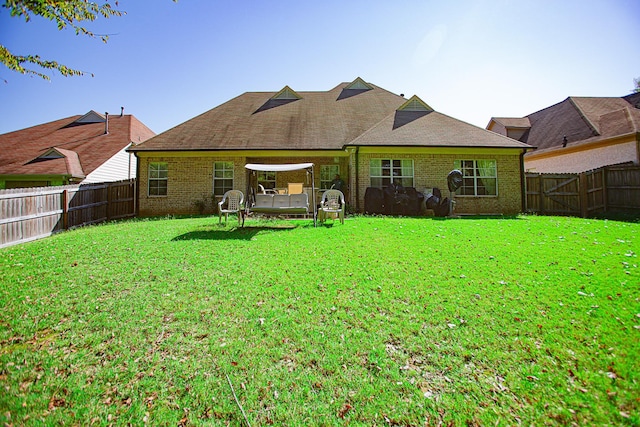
x=380 y=321
x=636 y=84
x=65 y=13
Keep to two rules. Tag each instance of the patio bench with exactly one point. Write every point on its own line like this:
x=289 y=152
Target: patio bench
x=279 y=204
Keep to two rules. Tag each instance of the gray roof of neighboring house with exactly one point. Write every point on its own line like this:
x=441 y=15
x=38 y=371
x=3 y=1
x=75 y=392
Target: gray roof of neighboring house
x=320 y=121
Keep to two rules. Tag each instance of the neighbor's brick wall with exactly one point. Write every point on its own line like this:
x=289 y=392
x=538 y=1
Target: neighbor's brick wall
x=431 y=170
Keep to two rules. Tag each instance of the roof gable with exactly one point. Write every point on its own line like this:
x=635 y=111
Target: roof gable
x=411 y=110
x=284 y=97
x=89 y=118
x=359 y=84
x=51 y=153
x=354 y=88
x=415 y=104
x=286 y=93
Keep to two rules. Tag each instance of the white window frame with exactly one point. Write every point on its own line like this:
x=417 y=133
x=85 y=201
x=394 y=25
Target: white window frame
x=476 y=177
x=384 y=170
x=264 y=178
x=222 y=174
x=158 y=172
x=327 y=173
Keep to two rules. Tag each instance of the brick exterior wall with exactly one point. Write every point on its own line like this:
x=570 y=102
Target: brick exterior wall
x=190 y=179
x=431 y=170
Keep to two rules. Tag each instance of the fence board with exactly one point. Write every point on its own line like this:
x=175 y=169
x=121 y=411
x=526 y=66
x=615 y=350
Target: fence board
x=29 y=214
x=611 y=189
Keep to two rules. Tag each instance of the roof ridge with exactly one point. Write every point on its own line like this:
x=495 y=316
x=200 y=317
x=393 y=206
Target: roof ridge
x=582 y=114
x=627 y=111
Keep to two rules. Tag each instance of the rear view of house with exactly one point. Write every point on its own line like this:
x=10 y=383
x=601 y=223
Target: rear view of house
x=367 y=135
x=78 y=149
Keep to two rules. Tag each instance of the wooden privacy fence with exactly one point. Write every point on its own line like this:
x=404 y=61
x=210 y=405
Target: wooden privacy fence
x=610 y=189
x=31 y=213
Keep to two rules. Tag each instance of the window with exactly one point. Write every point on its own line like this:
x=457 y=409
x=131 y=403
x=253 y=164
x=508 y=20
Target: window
x=384 y=172
x=479 y=177
x=267 y=179
x=327 y=173
x=222 y=177
x=158 y=178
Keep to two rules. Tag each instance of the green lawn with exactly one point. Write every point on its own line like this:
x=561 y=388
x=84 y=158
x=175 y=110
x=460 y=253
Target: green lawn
x=380 y=321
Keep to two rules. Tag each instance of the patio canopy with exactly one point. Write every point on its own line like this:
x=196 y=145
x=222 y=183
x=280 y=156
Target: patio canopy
x=278 y=168
x=290 y=167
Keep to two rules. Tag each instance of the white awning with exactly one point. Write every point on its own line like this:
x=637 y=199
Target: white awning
x=278 y=168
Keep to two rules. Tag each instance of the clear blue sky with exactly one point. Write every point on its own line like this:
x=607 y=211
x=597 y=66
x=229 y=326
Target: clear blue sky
x=167 y=62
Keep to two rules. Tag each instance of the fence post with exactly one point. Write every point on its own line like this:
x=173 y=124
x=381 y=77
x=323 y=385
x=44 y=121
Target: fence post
x=135 y=189
x=65 y=209
x=583 y=195
x=109 y=184
x=541 y=193
x=605 y=188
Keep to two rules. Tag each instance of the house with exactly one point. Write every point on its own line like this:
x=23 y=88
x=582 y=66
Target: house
x=79 y=149
x=578 y=134
x=362 y=132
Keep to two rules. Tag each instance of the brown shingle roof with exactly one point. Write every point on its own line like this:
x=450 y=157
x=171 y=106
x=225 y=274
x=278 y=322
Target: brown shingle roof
x=581 y=119
x=433 y=130
x=513 y=122
x=319 y=121
x=84 y=146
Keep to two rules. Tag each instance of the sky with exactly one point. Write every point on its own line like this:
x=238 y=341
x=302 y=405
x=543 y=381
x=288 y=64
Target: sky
x=166 y=62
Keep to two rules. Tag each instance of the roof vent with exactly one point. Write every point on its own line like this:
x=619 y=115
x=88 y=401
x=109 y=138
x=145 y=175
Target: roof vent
x=415 y=104
x=106 y=123
x=564 y=141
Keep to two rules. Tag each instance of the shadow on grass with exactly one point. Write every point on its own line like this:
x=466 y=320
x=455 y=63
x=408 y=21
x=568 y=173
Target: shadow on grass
x=510 y=217
x=239 y=233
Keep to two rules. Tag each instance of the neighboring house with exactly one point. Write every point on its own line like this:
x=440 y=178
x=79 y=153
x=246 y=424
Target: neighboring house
x=578 y=134
x=78 y=149
x=367 y=135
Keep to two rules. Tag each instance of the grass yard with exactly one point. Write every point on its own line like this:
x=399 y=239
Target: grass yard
x=380 y=321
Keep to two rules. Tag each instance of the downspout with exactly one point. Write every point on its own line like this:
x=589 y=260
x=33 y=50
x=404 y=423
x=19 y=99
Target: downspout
x=136 y=188
x=523 y=183
x=357 y=180
x=129 y=167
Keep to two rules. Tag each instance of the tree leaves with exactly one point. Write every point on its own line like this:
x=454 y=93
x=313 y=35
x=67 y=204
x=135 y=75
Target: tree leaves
x=65 y=13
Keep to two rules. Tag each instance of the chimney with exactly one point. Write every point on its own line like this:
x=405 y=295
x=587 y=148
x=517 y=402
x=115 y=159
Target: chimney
x=106 y=123
x=121 y=111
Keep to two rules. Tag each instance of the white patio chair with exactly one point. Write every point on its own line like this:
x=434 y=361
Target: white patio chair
x=267 y=191
x=332 y=202
x=231 y=203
